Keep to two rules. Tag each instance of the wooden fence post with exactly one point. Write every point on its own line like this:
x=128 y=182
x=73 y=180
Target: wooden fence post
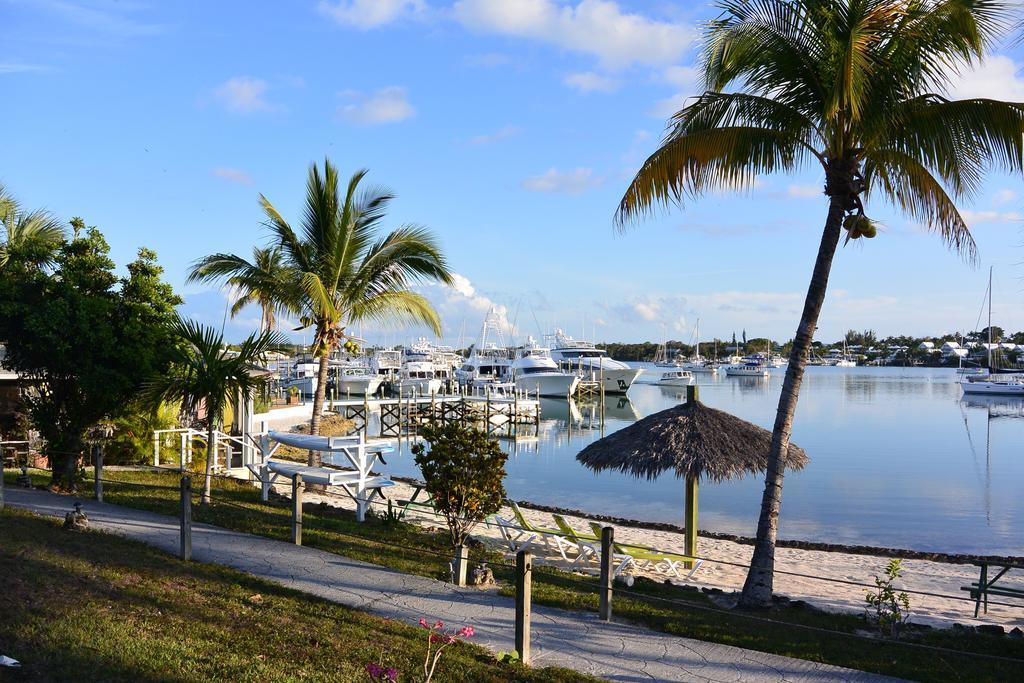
x=297 y=509
x=460 y=565
x=524 y=579
x=97 y=474
x=186 y=518
x=605 y=588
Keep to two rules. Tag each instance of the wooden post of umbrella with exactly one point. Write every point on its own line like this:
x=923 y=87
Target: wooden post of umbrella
x=690 y=521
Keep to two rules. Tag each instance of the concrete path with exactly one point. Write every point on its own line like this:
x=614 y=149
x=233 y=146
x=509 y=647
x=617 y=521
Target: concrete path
x=577 y=640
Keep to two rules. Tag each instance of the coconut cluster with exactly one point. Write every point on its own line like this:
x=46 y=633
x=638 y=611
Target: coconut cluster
x=859 y=225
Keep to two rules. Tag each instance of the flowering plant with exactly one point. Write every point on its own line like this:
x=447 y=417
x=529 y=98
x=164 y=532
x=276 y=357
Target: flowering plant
x=438 y=640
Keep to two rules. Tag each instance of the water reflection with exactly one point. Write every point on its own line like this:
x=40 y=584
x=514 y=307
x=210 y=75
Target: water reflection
x=897 y=459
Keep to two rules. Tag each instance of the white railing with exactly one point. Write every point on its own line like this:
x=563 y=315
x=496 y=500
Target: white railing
x=184 y=440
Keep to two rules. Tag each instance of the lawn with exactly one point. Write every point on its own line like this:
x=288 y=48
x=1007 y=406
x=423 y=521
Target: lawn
x=406 y=547
x=97 y=607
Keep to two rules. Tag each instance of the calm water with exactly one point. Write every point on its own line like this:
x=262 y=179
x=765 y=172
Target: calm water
x=898 y=459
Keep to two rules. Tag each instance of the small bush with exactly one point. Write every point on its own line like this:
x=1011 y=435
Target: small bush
x=464 y=469
x=886 y=608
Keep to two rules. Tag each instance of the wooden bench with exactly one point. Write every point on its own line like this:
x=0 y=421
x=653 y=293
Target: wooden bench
x=982 y=588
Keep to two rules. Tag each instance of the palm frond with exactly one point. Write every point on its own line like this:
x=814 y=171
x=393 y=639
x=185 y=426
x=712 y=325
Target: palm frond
x=909 y=185
x=397 y=306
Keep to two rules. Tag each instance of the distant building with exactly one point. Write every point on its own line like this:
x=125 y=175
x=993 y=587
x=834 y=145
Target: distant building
x=926 y=346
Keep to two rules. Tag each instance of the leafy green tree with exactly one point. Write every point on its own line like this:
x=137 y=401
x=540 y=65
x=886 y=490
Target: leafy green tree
x=31 y=239
x=204 y=373
x=853 y=89
x=84 y=339
x=341 y=272
x=464 y=469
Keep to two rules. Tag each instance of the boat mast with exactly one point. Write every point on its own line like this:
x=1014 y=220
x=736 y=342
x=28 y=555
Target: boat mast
x=990 y=320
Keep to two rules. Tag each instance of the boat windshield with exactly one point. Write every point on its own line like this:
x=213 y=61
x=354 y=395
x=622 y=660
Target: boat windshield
x=589 y=353
x=534 y=370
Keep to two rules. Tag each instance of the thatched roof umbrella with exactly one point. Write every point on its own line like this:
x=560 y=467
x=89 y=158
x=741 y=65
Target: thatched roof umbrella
x=695 y=442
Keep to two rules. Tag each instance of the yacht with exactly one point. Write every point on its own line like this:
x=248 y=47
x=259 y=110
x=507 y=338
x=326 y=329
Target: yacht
x=748 y=369
x=420 y=378
x=386 y=363
x=356 y=379
x=534 y=372
x=661 y=358
x=676 y=378
x=584 y=359
x=489 y=360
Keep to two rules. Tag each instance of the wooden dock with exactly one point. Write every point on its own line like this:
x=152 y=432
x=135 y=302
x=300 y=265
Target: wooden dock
x=397 y=417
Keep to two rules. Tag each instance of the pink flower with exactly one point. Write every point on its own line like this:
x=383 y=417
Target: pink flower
x=438 y=624
x=375 y=670
x=424 y=624
x=391 y=674
x=435 y=638
x=467 y=631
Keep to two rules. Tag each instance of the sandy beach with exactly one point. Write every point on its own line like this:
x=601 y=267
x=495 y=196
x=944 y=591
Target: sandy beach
x=718 y=569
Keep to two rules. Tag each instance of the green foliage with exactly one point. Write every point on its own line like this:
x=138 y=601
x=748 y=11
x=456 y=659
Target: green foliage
x=132 y=439
x=204 y=373
x=85 y=337
x=886 y=608
x=464 y=469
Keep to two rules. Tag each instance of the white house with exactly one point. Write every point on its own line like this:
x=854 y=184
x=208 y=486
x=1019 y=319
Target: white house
x=926 y=346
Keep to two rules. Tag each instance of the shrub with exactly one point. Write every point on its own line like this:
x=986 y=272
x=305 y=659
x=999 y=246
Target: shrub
x=886 y=608
x=464 y=469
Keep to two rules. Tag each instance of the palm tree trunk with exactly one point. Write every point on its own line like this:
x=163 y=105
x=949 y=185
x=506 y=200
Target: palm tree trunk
x=211 y=453
x=318 y=403
x=757 y=589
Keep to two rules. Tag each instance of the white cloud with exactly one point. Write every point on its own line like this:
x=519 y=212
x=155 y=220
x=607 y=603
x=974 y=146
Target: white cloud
x=463 y=308
x=588 y=81
x=387 y=105
x=596 y=27
x=804 y=191
x=243 y=94
x=973 y=217
x=573 y=182
x=1005 y=196
x=233 y=175
x=500 y=134
x=668 y=311
x=366 y=14
x=21 y=68
x=997 y=78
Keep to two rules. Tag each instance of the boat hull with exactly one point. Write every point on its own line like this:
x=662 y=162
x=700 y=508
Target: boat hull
x=359 y=386
x=419 y=387
x=542 y=384
x=680 y=382
x=993 y=388
x=619 y=381
x=747 y=372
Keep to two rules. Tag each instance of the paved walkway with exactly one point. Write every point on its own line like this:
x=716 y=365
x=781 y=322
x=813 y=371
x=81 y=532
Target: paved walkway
x=577 y=640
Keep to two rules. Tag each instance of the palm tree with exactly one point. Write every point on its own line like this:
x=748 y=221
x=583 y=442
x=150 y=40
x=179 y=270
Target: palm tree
x=341 y=272
x=264 y=281
x=853 y=87
x=30 y=238
x=204 y=372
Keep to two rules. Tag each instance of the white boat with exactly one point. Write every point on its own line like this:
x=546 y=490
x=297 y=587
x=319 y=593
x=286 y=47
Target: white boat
x=676 y=378
x=357 y=380
x=661 y=359
x=697 y=362
x=489 y=361
x=994 y=383
x=535 y=373
x=748 y=369
x=303 y=375
x=584 y=359
x=386 y=363
x=419 y=378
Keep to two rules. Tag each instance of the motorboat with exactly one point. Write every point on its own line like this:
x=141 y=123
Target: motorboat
x=489 y=360
x=748 y=369
x=535 y=373
x=676 y=378
x=358 y=380
x=419 y=378
x=386 y=363
x=586 y=360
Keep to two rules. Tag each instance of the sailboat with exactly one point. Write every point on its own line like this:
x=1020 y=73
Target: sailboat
x=994 y=383
x=698 y=363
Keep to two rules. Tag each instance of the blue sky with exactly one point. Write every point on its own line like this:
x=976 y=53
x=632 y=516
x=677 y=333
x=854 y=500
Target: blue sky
x=510 y=128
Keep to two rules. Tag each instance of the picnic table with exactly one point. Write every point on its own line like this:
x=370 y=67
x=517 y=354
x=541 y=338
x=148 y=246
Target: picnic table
x=427 y=502
x=985 y=586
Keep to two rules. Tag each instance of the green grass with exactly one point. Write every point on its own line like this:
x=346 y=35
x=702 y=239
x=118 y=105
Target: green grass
x=421 y=551
x=97 y=607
